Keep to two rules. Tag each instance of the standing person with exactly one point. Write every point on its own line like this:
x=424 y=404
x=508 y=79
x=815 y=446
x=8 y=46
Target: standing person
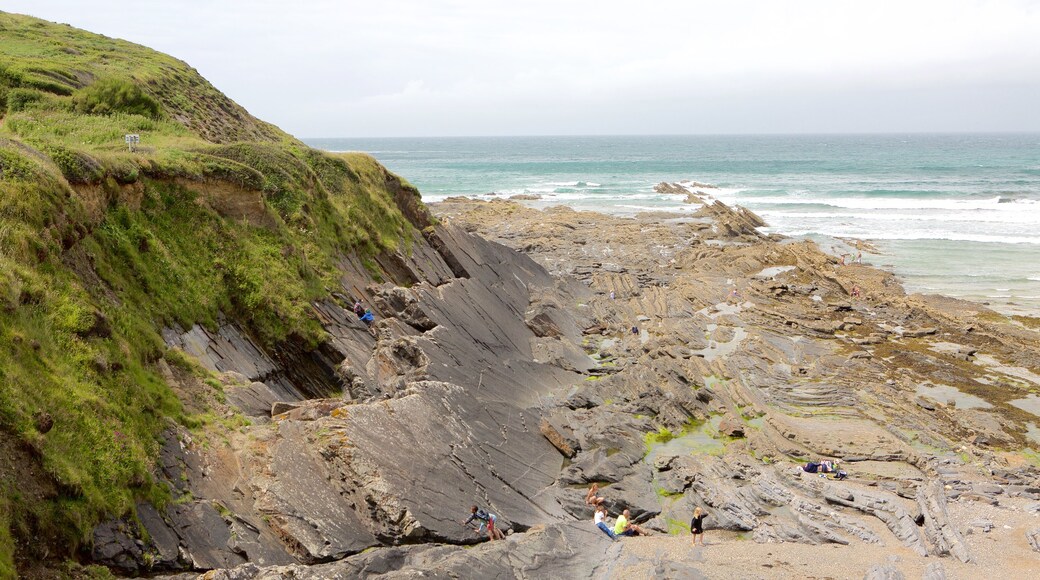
x=600 y=517
x=697 y=525
x=487 y=520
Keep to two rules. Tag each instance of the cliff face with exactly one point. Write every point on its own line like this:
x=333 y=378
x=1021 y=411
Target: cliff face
x=215 y=221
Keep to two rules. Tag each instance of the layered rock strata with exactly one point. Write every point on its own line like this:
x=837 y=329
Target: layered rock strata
x=678 y=361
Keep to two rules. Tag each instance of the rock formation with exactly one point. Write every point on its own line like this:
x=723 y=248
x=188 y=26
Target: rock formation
x=521 y=382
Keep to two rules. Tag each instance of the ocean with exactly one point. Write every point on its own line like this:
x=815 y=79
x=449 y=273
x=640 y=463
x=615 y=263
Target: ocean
x=950 y=214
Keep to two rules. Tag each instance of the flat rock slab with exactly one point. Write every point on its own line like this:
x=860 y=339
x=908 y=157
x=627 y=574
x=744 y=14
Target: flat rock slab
x=490 y=454
x=306 y=504
x=254 y=399
x=841 y=437
x=574 y=550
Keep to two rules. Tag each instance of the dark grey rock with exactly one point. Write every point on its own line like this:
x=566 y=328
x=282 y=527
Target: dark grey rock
x=114 y=546
x=204 y=535
x=255 y=399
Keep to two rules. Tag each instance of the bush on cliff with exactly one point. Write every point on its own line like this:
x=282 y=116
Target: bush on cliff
x=109 y=96
x=101 y=248
x=20 y=99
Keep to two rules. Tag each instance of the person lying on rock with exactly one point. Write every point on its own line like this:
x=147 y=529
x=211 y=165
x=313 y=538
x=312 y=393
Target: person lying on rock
x=487 y=520
x=622 y=527
x=592 y=499
x=599 y=518
x=823 y=467
x=819 y=467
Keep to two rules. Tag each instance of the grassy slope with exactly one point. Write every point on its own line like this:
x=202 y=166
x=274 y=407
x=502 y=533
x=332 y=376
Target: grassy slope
x=100 y=248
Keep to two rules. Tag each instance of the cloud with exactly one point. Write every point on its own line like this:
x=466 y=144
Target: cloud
x=466 y=67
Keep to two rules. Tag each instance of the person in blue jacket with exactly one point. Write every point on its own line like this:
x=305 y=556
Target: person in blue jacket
x=368 y=318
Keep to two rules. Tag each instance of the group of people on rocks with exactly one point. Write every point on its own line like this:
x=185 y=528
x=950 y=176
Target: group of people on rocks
x=364 y=314
x=623 y=525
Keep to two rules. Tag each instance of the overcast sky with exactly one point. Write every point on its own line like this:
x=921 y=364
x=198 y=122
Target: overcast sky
x=328 y=68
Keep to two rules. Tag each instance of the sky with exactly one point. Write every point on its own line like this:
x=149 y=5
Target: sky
x=388 y=68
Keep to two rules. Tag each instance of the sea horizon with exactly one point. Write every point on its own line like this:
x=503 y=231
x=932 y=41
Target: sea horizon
x=308 y=139
x=950 y=213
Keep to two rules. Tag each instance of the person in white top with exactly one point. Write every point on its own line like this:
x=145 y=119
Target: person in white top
x=600 y=517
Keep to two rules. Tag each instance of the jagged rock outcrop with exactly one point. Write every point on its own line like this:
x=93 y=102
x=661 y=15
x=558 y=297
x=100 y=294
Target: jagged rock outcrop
x=941 y=535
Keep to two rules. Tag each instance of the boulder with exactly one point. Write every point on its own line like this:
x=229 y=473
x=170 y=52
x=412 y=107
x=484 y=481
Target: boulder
x=887 y=571
x=1033 y=537
x=934 y=571
x=255 y=399
x=561 y=437
x=731 y=427
x=944 y=539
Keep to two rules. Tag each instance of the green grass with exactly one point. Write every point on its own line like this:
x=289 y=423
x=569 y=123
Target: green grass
x=677 y=528
x=664 y=493
x=7 y=569
x=1031 y=456
x=100 y=248
x=64 y=61
x=662 y=435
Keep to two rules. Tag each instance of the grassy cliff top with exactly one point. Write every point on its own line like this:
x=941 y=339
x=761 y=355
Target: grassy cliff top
x=57 y=59
x=215 y=214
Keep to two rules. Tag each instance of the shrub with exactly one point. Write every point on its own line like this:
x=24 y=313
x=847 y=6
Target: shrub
x=115 y=96
x=15 y=167
x=19 y=99
x=76 y=166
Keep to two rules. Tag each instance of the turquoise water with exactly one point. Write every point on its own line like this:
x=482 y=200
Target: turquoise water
x=951 y=214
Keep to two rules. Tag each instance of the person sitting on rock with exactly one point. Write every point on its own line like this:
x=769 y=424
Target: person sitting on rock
x=592 y=499
x=599 y=517
x=368 y=318
x=358 y=309
x=487 y=520
x=622 y=527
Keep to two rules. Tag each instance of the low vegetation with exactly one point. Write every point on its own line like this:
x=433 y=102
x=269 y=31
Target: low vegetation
x=101 y=247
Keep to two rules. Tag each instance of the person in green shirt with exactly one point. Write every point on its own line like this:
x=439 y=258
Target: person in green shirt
x=622 y=527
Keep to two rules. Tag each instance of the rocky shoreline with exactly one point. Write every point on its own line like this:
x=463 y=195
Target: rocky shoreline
x=678 y=361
